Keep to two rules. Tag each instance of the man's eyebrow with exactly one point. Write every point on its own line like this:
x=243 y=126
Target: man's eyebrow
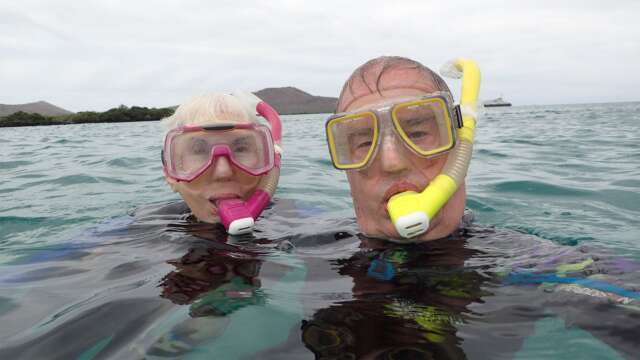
x=413 y=121
x=419 y=117
x=361 y=132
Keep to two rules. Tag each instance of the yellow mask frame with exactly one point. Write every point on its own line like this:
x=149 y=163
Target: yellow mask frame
x=451 y=119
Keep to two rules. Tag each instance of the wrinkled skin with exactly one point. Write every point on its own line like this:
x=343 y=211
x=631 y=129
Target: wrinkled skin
x=395 y=168
x=221 y=180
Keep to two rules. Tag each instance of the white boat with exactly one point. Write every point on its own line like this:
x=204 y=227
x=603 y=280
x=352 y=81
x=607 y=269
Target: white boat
x=496 y=102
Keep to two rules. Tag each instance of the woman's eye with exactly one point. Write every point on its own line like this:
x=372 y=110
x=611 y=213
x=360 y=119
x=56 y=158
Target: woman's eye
x=199 y=147
x=242 y=146
x=241 y=149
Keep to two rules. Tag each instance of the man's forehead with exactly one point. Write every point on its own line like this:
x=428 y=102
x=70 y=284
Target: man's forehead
x=407 y=78
x=391 y=80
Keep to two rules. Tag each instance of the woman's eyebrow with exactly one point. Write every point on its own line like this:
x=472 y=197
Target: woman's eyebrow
x=239 y=139
x=197 y=141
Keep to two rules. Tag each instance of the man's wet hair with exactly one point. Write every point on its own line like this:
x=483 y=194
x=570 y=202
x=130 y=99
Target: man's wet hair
x=370 y=75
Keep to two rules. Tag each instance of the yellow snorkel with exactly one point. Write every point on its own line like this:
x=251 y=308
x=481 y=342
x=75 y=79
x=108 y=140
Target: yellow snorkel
x=410 y=211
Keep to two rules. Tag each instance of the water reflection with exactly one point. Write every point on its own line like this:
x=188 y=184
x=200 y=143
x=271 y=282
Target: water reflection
x=214 y=281
x=453 y=298
x=408 y=303
x=180 y=289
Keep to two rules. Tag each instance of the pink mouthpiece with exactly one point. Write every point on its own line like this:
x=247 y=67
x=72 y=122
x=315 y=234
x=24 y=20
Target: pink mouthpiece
x=231 y=210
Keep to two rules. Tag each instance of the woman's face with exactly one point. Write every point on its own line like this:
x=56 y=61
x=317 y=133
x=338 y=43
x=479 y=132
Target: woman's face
x=221 y=180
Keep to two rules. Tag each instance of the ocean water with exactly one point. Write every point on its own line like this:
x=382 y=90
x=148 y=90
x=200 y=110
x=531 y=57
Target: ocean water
x=92 y=265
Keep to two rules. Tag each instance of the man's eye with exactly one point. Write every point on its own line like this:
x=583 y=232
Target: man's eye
x=363 y=144
x=418 y=134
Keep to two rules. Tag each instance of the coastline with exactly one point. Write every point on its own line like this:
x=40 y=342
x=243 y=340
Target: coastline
x=119 y=114
x=286 y=100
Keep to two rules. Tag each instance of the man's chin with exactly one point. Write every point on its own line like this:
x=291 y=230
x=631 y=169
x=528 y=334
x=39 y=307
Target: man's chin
x=386 y=231
x=383 y=230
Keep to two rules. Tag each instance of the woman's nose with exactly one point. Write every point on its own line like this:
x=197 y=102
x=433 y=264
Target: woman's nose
x=221 y=169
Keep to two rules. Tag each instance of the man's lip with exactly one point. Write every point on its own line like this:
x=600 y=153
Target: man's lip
x=398 y=187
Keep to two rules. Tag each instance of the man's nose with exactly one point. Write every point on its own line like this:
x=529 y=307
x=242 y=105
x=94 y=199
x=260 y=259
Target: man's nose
x=221 y=169
x=393 y=157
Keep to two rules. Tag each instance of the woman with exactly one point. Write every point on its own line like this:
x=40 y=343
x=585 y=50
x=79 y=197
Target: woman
x=224 y=163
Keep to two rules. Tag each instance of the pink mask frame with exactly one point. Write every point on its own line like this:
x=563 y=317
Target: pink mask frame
x=217 y=150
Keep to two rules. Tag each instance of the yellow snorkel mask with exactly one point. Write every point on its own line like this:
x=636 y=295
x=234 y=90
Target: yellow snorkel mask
x=429 y=126
x=411 y=212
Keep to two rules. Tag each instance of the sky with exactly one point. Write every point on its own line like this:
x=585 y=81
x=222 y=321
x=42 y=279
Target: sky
x=95 y=55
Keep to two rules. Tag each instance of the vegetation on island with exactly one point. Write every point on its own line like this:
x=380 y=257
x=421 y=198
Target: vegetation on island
x=119 y=114
x=286 y=100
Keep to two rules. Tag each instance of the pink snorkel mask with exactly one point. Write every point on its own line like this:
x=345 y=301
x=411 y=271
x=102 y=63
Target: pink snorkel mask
x=190 y=150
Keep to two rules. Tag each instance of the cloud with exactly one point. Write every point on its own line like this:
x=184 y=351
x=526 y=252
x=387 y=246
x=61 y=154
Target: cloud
x=96 y=55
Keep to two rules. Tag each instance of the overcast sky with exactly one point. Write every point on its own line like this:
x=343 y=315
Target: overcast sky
x=94 y=55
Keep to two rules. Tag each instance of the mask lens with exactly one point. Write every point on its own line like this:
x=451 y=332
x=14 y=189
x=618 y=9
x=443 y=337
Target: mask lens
x=190 y=153
x=352 y=139
x=250 y=149
x=424 y=125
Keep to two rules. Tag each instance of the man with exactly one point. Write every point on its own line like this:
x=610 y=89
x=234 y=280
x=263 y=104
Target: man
x=394 y=166
x=405 y=294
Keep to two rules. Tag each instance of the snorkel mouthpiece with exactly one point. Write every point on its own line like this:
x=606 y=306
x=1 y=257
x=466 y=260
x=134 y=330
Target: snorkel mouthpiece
x=237 y=216
x=412 y=212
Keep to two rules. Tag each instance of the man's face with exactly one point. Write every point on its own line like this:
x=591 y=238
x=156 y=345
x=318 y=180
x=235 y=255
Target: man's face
x=395 y=168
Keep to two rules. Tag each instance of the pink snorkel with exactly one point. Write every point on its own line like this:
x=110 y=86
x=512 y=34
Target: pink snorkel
x=237 y=216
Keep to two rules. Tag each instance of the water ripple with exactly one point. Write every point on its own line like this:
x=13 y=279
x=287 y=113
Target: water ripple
x=539 y=188
x=13 y=164
x=67 y=180
x=127 y=162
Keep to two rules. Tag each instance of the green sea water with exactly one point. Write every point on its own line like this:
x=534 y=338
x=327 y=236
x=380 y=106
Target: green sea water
x=569 y=173
x=565 y=173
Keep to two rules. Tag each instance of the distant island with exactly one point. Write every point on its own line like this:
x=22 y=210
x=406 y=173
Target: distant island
x=286 y=100
x=291 y=101
x=119 y=114
x=40 y=107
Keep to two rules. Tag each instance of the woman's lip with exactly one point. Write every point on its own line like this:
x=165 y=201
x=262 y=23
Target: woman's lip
x=223 y=196
x=213 y=201
x=213 y=208
x=398 y=187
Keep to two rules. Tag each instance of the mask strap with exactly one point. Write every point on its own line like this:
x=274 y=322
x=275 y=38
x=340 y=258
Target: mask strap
x=272 y=116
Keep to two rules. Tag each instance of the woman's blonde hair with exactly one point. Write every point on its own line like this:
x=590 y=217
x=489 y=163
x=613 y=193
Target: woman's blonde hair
x=209 y=108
